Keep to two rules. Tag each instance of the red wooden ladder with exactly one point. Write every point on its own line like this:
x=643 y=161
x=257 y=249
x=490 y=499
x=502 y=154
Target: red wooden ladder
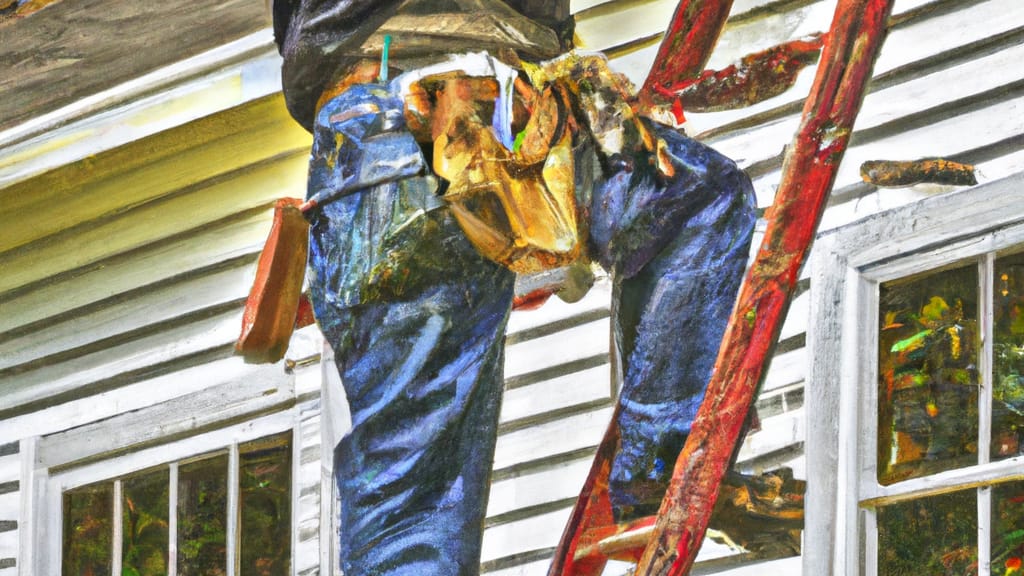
x=667 y=544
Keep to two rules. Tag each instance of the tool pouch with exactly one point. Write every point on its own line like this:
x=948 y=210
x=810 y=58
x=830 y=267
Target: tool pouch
x=518 y=207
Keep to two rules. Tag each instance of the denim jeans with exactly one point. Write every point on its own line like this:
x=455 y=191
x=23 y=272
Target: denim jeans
x=417 y=319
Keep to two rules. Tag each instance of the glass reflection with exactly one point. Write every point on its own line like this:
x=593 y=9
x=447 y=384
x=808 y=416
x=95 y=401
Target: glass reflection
x=928 y=378
x=88 y=530
x=202 y=517
x=1008 y=528
x=1008 y=357
x=145 y=524
x=265 y=506
x=933 y=536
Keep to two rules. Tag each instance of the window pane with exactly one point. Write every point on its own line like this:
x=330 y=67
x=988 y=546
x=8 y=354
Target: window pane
x=928 y=379
x=144 y=524
x=1008 y=356
x=88 y=530
x=1008 y=528
x=202 y=517
x=265 y=504
x=933 y=536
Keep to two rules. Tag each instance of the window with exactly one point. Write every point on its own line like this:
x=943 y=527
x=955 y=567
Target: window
x=192 y=517
x=915 y=400
x=947 y=402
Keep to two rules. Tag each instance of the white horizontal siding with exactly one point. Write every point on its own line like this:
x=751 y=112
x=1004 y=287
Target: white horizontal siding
x=10 y=507
x=550 y=439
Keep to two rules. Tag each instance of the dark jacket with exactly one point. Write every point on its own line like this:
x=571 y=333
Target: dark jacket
x=319 y=39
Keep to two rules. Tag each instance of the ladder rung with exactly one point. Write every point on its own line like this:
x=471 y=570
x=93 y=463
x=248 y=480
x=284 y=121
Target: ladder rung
x=625 y=542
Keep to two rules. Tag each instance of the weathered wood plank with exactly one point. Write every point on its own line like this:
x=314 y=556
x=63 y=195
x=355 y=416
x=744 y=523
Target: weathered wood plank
x=554 y=310
x=10 y=505
x=947 y=136
x=535 y=568
x=918 y=40
x=148 y=169
x=534 y=533
x=785 y=369
x=74 y=49
x=215 y=441
x=92 y=241
x=145 y=268
x=559 y=393
x=536 y=488
x=262 y=391
x=776 y=433
x=10 y=467
x=308 y=485
x=848 y=211
x=208 y=83
x=132 y=397
x=64 y=378
x=163 y=304
x=590 y=339
x=551 y=438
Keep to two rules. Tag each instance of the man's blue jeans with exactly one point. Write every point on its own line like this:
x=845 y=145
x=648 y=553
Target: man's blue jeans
x=417 y=319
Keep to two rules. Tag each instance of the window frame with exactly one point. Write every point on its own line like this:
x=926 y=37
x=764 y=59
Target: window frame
x=849 y=264
x=169 y=456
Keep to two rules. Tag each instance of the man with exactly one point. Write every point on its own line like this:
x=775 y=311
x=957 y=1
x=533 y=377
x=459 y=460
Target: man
x=417 y=316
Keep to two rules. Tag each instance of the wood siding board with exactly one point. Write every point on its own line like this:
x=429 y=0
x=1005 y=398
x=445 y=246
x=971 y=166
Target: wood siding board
x=592 y=384
x=540 y=353
x=147 y=392
x=796 y=319
x=261 y=392
x=10 y=505
x=9 y=544
x=254 y=187
x=163 y=304
x=52 y=48
x=552 y=439
x=216 y=441
x=946 y=136
x=531 y=534
x=10 y=473
x=775 y=434
x=307 y=484
x=931 y=54
x=786 y=369
x=615 y=23
x=104 y=283
x=131 y=176
x=130 y=360
x=208 y=83
x=538 y=487
x=554 y=310
x=529 y=568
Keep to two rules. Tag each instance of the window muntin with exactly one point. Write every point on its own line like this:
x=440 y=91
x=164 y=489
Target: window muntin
x=131 y=525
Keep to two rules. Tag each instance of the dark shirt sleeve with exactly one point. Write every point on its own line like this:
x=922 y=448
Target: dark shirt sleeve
x=317 y=38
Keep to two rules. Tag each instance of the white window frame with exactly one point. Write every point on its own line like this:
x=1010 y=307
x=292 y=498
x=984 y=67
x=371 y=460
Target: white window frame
x=225 y=440
x=848 y=266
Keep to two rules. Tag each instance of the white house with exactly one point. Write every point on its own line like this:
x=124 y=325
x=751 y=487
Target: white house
x=141 y=149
